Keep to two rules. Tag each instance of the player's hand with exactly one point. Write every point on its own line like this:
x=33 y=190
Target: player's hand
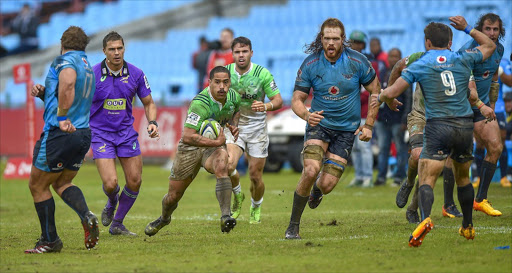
x=221 y=138
x=37 y=90
x=365 y=134
x=458 y=22
x=374 y=101
x=153 y=131
x=258 y=106
x=67 y=126
x=315 y=118
x=234 y=131
x=393 y=105
x=488 y=113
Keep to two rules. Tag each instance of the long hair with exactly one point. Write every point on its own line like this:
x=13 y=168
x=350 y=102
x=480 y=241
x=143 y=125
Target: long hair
x=316 y=45
x=493 y=18
x=74 y=38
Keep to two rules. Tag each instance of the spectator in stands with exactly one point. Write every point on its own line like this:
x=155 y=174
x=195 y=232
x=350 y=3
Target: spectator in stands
x=504 y=73
x=25 y=25
x=377 y=53
x=391 y=125
x=221 y=56
x=507 y=97
x=362 y=155
x=199 y=61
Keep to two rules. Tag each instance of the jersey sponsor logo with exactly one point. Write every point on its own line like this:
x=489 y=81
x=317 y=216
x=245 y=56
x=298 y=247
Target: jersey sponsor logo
x=334 y=90
x=134 y=146
x=146 y=82
x=356 y=60
x=349 y=76
x=273 y=85
x=441 y=59
x=471 y=50
x=406 y=60
x=299 y=76
x=60 y=166
x=471 y=78
x=125 y=79
x=312 y=61
x=77 y=165
x=486 y=74
x=85 y=61
x=334 y=98
x=101 y=149
x=193 y=119
x=114 y=104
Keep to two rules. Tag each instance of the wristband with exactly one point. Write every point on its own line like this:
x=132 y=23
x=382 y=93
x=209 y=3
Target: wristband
x=265 y=106
x=378 y=98
x=61 y=118
x=153 y=122
x=479 y=104
x=368 y=126
x=468 y=29
x=271 y=104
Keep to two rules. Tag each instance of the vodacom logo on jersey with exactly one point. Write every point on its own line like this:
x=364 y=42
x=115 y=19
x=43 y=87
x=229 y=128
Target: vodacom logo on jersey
x=441 y=59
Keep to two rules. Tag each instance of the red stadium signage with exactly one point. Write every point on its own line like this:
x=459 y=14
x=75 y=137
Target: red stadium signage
x=21 y=73
x=17 y=168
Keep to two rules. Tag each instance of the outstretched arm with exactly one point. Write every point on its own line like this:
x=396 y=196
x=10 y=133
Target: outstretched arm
x=487 y=46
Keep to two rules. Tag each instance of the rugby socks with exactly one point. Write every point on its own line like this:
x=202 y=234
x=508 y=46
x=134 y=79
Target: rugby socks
x=466 y=195
x=426 y=199
x=256 y=204
x=126 y=200
x=237 y=189
x=487 y=172
x=479 y=158
x=113 y=197
x=46 y=212
x=411 y=174
x=414 y=202
x=223 y=191
x=448 y=184
x=299 y=203
x=167 y=209
x=503 y=162
x=75 y=199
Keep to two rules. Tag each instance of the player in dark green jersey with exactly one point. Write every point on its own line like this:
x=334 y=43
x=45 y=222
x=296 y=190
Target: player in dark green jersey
x=218 y=102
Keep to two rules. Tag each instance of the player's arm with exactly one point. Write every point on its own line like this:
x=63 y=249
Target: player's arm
x=494 y=90
x=389 y=94
x=487 y=112
x=486 y=45
x=67 y=79
x=233 y=125
x=38 y=90
x=396 y=71
x=193 y=138
x=299 y=108
x=276 y=102
x=374 y=89
x=506 y=79
x=150 y=110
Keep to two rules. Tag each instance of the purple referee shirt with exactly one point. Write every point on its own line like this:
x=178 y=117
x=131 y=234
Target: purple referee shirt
x=111 y=108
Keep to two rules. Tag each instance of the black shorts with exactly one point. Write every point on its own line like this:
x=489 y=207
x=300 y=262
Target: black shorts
x=502 y=120
x=445 y=138
x=340 y=142
x=57 y=150
x=416 y=141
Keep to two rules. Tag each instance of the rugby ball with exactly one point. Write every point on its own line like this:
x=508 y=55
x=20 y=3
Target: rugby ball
x=210 y=128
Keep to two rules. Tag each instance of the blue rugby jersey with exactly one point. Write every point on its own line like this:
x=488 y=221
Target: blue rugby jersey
x=78 y=114
x=444 y=76
x=336 y=87
x=484 y=71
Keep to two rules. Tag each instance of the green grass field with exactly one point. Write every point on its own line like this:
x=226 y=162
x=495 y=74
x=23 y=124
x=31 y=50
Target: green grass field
x=370 y=234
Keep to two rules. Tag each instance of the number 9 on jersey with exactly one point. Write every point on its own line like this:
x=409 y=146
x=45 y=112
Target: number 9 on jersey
x=210 y=128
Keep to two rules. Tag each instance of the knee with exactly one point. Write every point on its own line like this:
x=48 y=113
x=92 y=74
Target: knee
x=255 y=179
x=221 y=166
x=496 y=148
x=311 y=172
x=110 y=183
x=415 y=157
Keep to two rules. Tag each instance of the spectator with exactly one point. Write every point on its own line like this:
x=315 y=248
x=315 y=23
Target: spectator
x=199 y=61
x=25 y=25
x=502 y=115
x=377 y=53
x=362 y=155
x=221 y=56
x=507 y=97
x=391 y=125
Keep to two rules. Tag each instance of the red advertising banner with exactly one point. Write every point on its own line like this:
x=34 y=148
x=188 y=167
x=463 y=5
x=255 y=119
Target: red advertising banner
x=17 y=168
x=21 y=73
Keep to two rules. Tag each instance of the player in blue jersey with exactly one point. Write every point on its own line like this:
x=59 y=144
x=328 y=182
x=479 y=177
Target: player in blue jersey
x=334 y=73
x=443 y=76
x=487 y=134
x=59 y=153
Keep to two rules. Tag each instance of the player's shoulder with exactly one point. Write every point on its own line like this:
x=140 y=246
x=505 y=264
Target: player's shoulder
x=259 y=71
x=233 y=95
x=355 y=56
x=500 y=49
x=310 y=60
x=413 y=57
x=133 y=70
x=468 y=45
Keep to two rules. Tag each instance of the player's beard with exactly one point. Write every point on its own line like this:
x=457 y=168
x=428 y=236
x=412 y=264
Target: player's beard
x=336 y=54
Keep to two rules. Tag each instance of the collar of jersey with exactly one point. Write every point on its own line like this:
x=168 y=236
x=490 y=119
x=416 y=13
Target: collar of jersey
x=246 y=72
x=213 y=99
x=324 y=59
x=106 y=71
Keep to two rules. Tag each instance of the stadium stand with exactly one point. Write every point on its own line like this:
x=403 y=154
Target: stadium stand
x=278 y=32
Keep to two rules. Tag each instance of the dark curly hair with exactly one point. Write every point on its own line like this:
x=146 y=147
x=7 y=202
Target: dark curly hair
x=316 y=45
x=493 y=18
x=74 y=38
x=438 y=33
